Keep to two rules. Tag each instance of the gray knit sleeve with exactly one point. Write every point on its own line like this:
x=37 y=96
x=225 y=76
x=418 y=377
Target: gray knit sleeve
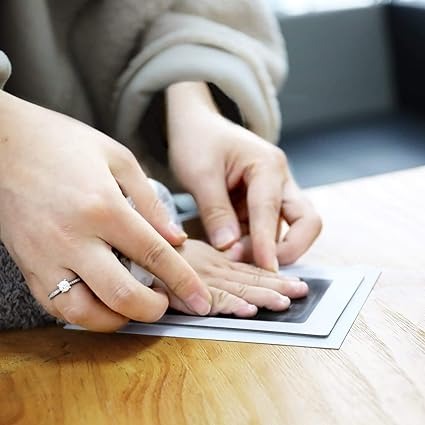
x=18 y=308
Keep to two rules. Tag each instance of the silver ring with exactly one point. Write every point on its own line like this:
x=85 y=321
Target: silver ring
x=63 y=286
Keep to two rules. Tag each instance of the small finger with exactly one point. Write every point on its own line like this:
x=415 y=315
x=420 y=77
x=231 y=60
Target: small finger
x=246 y=274
x=225 y=303
x=260 y=297
x=222 y=303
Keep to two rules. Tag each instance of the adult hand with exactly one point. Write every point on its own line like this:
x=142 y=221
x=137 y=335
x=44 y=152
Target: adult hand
x=63 y=208
x=238 y=180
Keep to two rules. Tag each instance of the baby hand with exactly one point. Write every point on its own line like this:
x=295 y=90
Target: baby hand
x=237 y=288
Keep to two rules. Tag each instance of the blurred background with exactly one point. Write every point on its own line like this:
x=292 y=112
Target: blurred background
x=354 y=103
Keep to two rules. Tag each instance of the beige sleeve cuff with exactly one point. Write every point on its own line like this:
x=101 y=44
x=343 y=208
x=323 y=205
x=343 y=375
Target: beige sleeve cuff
x=254 y=94
x=5 y=69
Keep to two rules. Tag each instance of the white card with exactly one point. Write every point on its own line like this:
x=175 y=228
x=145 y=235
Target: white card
x=333 y=341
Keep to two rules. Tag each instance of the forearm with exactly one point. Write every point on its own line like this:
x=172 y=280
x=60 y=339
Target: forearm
x=185 y=100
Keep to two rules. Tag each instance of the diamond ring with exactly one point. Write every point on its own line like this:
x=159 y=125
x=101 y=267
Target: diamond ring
x=63 y=286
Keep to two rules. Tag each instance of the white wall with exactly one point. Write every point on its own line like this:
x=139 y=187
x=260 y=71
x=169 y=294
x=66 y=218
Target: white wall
x=306 y=6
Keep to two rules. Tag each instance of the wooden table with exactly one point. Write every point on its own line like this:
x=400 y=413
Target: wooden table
x=52 y=376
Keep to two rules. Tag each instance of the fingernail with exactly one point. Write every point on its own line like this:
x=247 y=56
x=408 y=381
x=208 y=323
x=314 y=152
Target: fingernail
x=284 y=302
x=251 y=308
x=276 y=265
x=300 y=287
x=223 y=237
x=177 y=230
x=198 y=305
x=247 y=310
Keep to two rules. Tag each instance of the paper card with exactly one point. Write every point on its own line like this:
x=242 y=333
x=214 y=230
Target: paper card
x=333 y=341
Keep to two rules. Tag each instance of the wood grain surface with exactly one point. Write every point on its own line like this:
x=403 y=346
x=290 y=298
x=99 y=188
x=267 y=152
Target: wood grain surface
x=52 y=376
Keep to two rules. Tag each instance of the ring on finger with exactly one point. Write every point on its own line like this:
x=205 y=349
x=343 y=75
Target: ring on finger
x=63 y=286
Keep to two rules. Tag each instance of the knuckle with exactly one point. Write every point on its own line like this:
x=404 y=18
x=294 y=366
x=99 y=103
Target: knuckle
x=95 y=207
x=153 y=316
x=274 y=205
x=126 y=157
x=122 y=297
x=291 y=255
x=241 y=290
x=213 y=213
x=112 y=327
x=182 y=285
x=75 y=314
x=158 y=208
x=257 y=277
x=313 y=217
x=66 y=237
x=278 y=157
x=271 y=206
x=51 y=310
x=221 y=298
x=153 y=256
x=317 y=222
x=282 y=158
x=282 y=287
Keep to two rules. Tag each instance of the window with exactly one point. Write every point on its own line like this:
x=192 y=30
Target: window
x=413 y=2
x=305 y=6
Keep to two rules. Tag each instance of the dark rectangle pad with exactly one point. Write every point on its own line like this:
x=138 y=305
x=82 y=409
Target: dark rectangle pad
x=298 y=312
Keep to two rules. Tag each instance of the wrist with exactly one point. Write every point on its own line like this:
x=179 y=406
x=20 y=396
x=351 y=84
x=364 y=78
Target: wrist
x=6 y=103
x=12 y=110
x=186 y=104
x=186 y=95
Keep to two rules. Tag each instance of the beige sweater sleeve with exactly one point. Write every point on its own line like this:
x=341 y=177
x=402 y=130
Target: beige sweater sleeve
x=5 y=69
x=235 y=45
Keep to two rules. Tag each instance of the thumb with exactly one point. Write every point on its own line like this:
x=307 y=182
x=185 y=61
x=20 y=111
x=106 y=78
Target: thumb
x=217 y=213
